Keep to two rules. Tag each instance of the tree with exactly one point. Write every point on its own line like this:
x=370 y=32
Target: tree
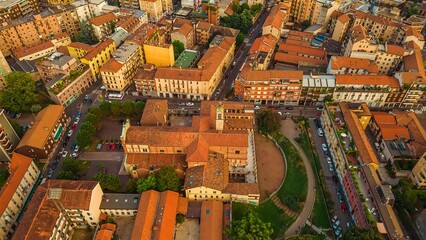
x=178 y=48
x=355 y=233
x=250 y=227
x=83 y=138
x=16 y=127
x=269 y=121
x=131 y=186
x=240 y=39
x=145 y=184
x=129 y=108
x=116 y=108
x=70 y=168
x=105 y=108
x=20 y=92
x=87 y=34
x=236 y=7
x=65 y=175
x=256 y=8
x=306 y=23
x=89 y=127
x=92 y=119
x=244 y=6
x=168 y=179
x=412 y=10
x=96 y=111
x=35 y=108
x=108 y=182
x=139 y=106
x=180 y=218
x=405 y=196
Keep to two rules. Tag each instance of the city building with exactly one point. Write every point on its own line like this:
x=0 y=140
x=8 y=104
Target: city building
x=261 y=51
x=212 y=220
x=301 y=10
x=159 y=54
x=185 y=35
x=9 y=139
x=275 y=21
x=187 y=59
x=88 y=9
x=156 y=216
x=321 y=12
x=348 y=65
x=339 y=24
x=95 y=57
x=295 y=57
x=418 y=173
x=134 y=4
x=276 y=87
x=299 y=38
x=154 y=9
x=12 y=9
x=103 y=25
x=23 y=175
x=106 y=231
x=4 y=70
x=59 y=206
x=117 y=74
x=316 y=88
x=43 y=137
x=35 y=52
x=417 y=22
x=145 y=80
x=120 y=204
x=370 y=89
x=202 y=32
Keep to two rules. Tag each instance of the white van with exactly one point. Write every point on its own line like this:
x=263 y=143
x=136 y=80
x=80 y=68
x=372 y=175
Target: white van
x=320 y=132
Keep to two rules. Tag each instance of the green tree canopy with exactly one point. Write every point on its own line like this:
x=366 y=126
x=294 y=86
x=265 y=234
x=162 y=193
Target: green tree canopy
x=70 y=168
x=86 y=34
x=240 y=39
x=269 y=121
x=108 y=182
x=92 y=119
x=116 y=108
x=178 y=48
x=20 y=93
x=129 y=108
x=105 y=108
x=168 y=179
x=89 y=127
x=405 y=195
x=145 y=184
x=356 y=233
x=412 y=10
x=83 y=138
x=250 y=227
x=139 y=106
x=35 y=108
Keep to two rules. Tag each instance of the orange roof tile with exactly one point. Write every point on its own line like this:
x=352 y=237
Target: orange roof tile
x=19 y=165
x=272 y=74
x=395 y=50
x=262 y=44
x=182 y=206
x=414 y=62
x=294 y=49
x=229 y=10
x=392 y=132
x=98 y=49
x=411 y=32
x=129 y=24
x=412 y=77
x=358 y=33
x=82 y=46
x=295 y=59
x=185 y=29
x=275 y=18
x=294 y=33
x=382 y=80
x=211 y=221
x=103 y=19
x=104 y=234
x=143 y=32
x=384 y=118
x=34 y=49
x=111 y=66
x=343 y=18
x=242 y=188
x=155 y=113
x=44 y=124
x=60 y=35
x=339 y=62
x=205 y=26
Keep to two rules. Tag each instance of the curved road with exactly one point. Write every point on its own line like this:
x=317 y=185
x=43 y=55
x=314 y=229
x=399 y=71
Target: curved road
x=300 y=222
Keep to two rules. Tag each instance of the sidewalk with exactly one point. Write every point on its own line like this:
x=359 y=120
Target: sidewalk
x=291 y=130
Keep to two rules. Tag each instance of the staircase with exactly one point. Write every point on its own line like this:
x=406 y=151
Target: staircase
x=275 y=199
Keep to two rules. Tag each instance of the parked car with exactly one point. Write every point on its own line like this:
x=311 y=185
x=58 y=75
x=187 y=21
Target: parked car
x=320 y=132
x=108 y=147
x=73 y=146
x=324 y=147
x=62 y=150
x=257 y=107
x=289 y=108
x=86 y=97
x=344 y=208
x=272 y=107
x=334 y=219
x=182 y=104
x=74 y=155
x=50 y=173
x=382 y=156
x=73 y=126
x=319 y=108
x=336 y=224
x=54 y=165
x=280 y=113
x=99 y=147
x=114 y=146
x=79 y=114
x=89 y=101
x=119 y=146
x=18 y=115
x=70 y=133
x=189 y=104
x=77 y=119
x=57 y=158
x=64 y=154
x=329 y=160
x=377 y=146
x=76 y=149
x=24 y=128
x=317 y=123
x=330 y=167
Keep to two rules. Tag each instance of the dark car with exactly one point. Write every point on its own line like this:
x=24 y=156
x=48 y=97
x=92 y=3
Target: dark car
x=317 y=122
x=289 y=108
x=79 y=114
x=54 y=165
x=50 y=173
x=334 y=177
x=64 y=145
x=119 y=146
x=89 y=101
x=73 y=146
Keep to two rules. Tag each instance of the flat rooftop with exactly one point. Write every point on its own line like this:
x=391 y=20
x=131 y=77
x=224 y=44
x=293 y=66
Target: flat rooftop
x=125 y=51
x=186 y=59
x=120 y=201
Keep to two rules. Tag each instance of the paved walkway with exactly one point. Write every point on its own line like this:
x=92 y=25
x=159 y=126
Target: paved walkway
x=109 y=156
x=291 y=130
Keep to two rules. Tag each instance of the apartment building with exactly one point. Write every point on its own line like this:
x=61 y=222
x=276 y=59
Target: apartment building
x=103 y=25
x=339 y=24
x=4 y=70
x=316 y=88
x=57 y=207
x=23 y=175
x=202 y=32
x=55 y=64
x=9 y=139
x=321 y=12
x=134 y=4
x=184 y=34
x=12 y=9
x=348 y=65
x=296 y=57
x=301 y=10
x=88 y=9
x=277 y=18
x=261 y=51
x=156 y=217
x=35 y=52
x=416 y=22
x=418 y=173
x=276 y=87
x=154 y=9
x=145 y=80
x=117 y=74
x=379 y=27
x=95 y=57
x=370 y=89
x=41 y=140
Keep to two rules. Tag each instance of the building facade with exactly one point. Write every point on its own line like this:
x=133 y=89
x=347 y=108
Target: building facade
x=418 y=174
x=9 y=139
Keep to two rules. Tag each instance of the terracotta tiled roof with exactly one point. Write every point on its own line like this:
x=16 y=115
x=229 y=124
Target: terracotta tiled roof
x=60 y=35
x=155 y=112
x=156 y=216
x=63 y=50
x=412 y=77
x=198 y=150
x=99 y=48
x=128 y=24
x=415 y=127
x=82 y=46
x=211 y=221
x=266 y=75
x=414 y=62
x=185 y=29
x=275 y=18
x=358 y=135
x=111 y=66
x=104 y=234
x=343 y=18
x=179 y=22
x=384 y=118
x=358 y=33
x=381 y=80
x=41 y=215
x=262 y=44
x=294 y=49
x=336 y=14
x=205 y=26
x=392 y=132
x=19 y=165
x=294 y=33
x=181 y=74
x=143 y=32
x=294 y=59
x=102 y=19
x=44 y=124
x=182 y=206
x=338 y=62
x=242 y=188
x=395 y=50
x=146 y=160
x=298 y=42
x=411 y=32
x=229 y=10
x=374 y=18
x=31 y=50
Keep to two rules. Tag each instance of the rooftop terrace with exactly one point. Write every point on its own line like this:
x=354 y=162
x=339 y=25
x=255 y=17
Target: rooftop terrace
x=186 y=59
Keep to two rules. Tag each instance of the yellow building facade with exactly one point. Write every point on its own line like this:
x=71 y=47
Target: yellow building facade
x=154 y=9
x=161 y=55
x=418 y=174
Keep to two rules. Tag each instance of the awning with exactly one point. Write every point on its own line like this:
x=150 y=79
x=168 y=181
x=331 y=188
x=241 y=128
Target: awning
x=58 y=133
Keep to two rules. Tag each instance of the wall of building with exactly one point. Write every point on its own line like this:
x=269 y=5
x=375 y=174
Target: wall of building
x=160 y=56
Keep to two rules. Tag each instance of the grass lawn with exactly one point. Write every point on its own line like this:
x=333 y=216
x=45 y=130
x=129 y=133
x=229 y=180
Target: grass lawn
x=319 y=214
x=296 y=180
x=268 y=213
x=4 y=174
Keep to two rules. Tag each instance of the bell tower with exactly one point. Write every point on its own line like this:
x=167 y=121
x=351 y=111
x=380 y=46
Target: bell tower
x=219 y=117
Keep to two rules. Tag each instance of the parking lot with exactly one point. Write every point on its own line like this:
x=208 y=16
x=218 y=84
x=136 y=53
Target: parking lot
x=335 y=189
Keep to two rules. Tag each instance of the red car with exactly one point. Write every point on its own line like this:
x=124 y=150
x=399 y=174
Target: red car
x=344 y=209
x=114 y=146
x=73 y=126
x=108 y=147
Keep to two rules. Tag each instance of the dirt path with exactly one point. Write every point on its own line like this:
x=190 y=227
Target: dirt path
x=270 y=166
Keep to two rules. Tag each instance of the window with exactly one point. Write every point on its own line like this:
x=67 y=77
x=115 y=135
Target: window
x=237 y=151
x=161 y=150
